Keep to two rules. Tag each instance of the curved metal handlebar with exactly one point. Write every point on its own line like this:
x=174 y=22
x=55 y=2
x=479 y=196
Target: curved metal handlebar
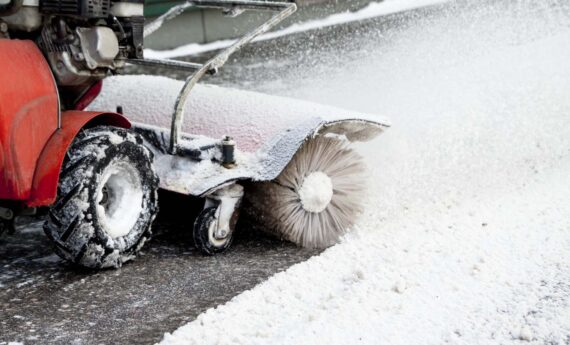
x=285 y=9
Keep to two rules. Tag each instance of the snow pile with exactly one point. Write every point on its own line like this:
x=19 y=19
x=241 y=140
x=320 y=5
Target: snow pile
x=374 y=9
x=470 y=275
x=466 y=240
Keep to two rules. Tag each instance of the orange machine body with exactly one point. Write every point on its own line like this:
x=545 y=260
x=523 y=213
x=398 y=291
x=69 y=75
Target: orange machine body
x=34 y=135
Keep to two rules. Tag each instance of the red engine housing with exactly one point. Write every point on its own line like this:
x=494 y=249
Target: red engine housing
x=34 y=136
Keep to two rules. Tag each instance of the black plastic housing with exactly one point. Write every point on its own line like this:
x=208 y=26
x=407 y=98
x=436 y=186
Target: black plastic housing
x=81 y=8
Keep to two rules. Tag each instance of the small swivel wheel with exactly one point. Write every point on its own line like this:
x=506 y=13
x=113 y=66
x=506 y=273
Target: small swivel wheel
x=208 y=237
x=214 y=227
x=7 y=221
x=7 y=226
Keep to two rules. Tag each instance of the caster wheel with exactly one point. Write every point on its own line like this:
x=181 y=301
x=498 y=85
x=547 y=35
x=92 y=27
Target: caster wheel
x=7 y=221
x=7 y=227
x=208 y=237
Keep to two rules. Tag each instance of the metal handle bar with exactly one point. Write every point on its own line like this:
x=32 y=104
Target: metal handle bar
x=285 y=9
x=174 y=64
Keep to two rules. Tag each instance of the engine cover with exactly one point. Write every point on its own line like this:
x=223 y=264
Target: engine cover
x=99 y=45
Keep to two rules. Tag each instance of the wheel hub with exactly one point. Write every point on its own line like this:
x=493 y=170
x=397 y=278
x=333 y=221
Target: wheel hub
x=120 y=199
x=216 y=233
x=316 y=192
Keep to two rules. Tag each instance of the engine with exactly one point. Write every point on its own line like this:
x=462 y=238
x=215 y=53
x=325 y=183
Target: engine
x=83 y=40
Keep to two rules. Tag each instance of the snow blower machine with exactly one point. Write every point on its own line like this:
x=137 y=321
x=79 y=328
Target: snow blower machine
x=93 y=150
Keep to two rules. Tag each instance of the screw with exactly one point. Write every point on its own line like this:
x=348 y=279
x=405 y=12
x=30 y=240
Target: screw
x=3 y=27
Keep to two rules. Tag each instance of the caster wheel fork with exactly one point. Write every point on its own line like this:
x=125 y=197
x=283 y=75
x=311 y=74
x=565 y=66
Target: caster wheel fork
x=215 y=226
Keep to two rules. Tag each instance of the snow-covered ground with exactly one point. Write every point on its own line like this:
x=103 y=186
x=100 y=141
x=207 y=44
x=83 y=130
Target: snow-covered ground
x=466 y=238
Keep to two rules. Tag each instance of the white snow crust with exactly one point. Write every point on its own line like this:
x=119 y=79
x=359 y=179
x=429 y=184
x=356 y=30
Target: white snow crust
x=373 y=10
x=466 y=240
x=251 y=118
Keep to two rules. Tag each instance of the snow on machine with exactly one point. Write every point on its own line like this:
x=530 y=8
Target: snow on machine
x=99 y=173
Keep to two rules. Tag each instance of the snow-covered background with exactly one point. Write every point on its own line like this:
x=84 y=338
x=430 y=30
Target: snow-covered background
x=467 y=235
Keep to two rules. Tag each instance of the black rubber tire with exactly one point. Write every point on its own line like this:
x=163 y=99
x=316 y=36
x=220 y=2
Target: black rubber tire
x=74 y=224
x=201 y=233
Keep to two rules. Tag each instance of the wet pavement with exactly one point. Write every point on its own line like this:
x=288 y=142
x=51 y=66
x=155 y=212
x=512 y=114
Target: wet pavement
x=45 y=301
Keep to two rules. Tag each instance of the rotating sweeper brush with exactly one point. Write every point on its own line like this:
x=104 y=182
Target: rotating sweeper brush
x=99 y=173
x=316 y=198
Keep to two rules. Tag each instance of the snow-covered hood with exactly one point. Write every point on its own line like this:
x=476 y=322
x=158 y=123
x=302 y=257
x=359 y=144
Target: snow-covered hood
x=252 y=119
x=268 y=130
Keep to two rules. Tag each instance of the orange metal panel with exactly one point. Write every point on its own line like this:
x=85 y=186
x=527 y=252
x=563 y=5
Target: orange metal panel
x=28 y=114
x=44 y=190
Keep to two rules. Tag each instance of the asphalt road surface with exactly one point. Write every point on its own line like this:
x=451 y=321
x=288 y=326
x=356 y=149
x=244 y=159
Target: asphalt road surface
x=45 y=301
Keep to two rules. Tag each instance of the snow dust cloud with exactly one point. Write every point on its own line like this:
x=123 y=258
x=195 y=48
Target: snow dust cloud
x=478 y=95
x=466 y=236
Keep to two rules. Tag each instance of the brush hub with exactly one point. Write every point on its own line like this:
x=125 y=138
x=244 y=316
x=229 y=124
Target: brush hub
x=316 y=192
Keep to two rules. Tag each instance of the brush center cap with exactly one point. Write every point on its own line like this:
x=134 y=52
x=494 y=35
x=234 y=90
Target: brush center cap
x=316 y=192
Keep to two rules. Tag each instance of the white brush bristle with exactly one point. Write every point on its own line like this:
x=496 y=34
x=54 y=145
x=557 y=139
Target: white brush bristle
x=277 y=204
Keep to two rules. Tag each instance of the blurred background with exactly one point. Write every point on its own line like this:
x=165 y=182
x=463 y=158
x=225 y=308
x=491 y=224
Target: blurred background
x=203 y=26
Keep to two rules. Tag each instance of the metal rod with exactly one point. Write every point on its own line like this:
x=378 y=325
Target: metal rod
x=285 y=9
x=181 y=65
x=256 y=5
x=170 y=14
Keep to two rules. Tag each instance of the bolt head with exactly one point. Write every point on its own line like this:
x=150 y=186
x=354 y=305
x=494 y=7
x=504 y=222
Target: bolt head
x=222 y=233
